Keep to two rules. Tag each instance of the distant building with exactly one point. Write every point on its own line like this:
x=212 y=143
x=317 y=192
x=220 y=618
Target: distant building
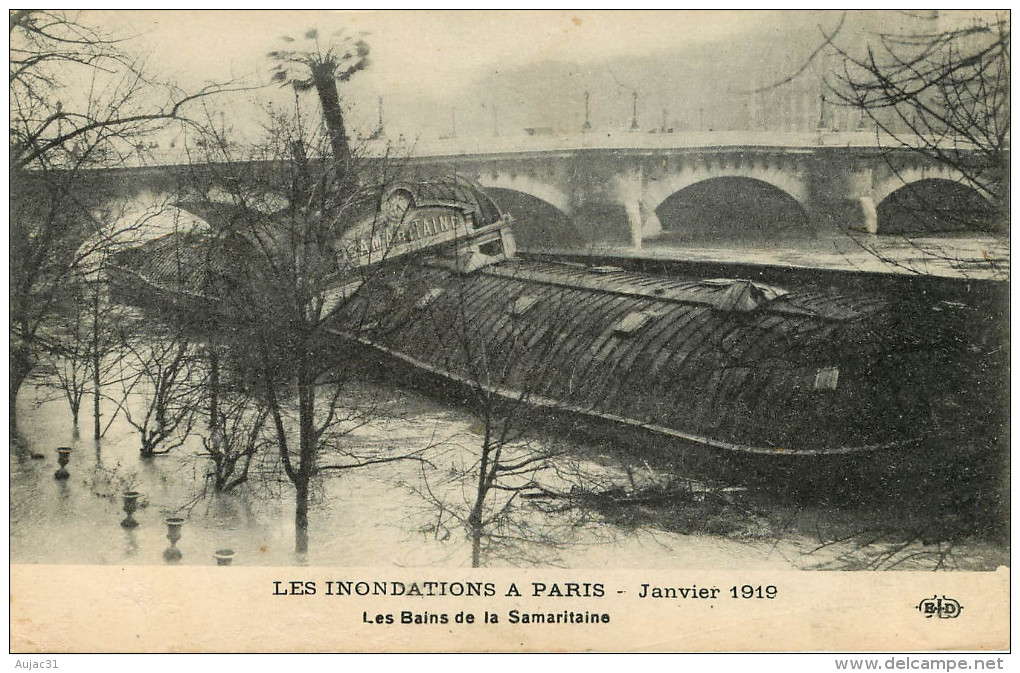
x=766 y=80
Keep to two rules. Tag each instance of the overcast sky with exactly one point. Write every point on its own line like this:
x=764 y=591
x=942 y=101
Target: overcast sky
x=417 y=56
x=425 y=63
x=415 y=49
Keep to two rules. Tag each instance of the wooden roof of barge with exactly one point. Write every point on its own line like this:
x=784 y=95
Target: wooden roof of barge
x=797 y=372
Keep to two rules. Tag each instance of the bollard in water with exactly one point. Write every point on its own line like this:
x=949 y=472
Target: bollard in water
x=173 y=533
x=224 y=556
x=130 y=505
x=63 y=457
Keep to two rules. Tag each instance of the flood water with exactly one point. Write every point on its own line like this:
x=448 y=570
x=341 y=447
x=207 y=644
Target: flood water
x=369 y=517
x=970 y=256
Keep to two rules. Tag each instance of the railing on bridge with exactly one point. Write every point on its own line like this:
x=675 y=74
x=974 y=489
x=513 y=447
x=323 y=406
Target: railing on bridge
x=595 y=140
x=656 y=141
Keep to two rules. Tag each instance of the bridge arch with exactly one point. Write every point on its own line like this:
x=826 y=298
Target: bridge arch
x=541 y=212
x=538 y=224
x=932 y=205
x=908 y=176
x=658 y=190
x=732 y=210
x=643 y=197
x=526 y=184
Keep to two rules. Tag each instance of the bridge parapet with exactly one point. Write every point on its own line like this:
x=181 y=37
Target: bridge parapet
x=632 y=142
x=684 y=141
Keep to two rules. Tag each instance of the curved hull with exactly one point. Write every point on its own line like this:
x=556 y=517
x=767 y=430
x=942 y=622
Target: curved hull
x=801 y=374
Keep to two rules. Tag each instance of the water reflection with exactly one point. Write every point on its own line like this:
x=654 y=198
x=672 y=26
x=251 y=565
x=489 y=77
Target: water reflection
x=130 y=543
x=64 y=504
x=227 y=513
x=97 y=449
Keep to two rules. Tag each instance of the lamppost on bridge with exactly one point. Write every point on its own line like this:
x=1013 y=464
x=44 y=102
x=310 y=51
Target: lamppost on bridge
x=863 y=122
x=587 y=112
x=379 y=127
x=633 y=119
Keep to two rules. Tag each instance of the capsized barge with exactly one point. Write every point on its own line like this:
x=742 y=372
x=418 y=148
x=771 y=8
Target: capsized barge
x=730 y=367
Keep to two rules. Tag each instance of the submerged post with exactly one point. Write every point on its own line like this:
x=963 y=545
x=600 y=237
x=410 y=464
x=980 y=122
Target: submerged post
x=224 y=556
x=173 y=533
x=63 y=458
x=130 y=505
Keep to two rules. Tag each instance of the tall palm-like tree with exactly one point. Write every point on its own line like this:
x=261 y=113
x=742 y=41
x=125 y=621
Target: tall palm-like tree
x=320 y=66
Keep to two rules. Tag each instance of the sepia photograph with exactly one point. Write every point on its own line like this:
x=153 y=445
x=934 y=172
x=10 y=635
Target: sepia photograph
x=692 y=310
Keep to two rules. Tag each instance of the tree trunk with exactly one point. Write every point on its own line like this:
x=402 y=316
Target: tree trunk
x=14 y=405
x=474 y=521
x=301 y=517
x=21 y=367
x=476 y=544
x=302 y=183
x=214 y=391
x=308 y=443
x=97 y=429
x=329 y=98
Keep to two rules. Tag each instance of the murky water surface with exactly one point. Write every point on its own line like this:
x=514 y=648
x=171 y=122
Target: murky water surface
x=368 y=517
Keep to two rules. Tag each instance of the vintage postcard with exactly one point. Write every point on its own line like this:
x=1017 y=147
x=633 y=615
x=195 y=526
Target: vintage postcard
x=510 y=331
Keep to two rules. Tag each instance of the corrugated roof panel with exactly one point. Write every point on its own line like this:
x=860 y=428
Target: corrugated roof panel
x=633 y=322
x=430 y=296
x=523 y=303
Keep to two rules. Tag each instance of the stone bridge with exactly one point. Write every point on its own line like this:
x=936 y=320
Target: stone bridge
x=633 y=188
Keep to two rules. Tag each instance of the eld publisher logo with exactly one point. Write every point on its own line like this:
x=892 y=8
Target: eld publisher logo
x=943 y=608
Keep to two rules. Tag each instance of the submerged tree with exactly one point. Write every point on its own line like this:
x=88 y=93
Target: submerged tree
x=162 y=372
x=934 y=88
x=942 y=91
x=276 y=217
x=67 y=350
x=78 y=101
x=236 y=434
x=266 y=282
